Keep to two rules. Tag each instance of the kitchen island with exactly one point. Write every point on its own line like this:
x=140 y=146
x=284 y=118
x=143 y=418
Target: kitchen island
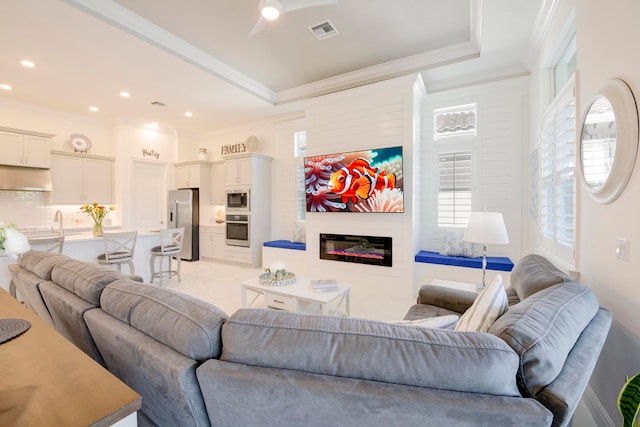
x=82 y=245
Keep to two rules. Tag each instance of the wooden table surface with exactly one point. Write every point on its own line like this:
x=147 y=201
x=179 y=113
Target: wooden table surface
x=47 y=381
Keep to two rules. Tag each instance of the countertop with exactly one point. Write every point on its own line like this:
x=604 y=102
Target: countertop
x=84 y=236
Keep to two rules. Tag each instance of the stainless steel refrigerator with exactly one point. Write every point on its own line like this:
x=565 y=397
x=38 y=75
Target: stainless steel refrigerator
x=183 y=212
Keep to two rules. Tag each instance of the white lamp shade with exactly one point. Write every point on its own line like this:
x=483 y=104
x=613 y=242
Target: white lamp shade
x=486 y=228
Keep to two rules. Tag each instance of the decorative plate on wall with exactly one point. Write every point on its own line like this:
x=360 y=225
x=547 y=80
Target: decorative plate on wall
x=251 y=143
x=79 y=142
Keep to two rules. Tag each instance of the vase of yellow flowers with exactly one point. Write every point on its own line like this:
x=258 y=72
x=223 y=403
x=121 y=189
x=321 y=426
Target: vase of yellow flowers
x=97 y=212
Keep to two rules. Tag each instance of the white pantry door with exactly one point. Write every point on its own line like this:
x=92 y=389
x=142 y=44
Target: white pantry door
x=148 y=194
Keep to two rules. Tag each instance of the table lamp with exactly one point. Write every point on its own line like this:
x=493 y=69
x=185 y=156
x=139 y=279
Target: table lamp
x=486 y=228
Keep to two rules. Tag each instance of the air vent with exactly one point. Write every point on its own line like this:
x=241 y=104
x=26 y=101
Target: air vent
x=323 y=30
x=158 y=104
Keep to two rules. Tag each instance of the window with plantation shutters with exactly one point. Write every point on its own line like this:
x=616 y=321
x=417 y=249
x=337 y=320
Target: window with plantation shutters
x=558 y=179
x=454 y=188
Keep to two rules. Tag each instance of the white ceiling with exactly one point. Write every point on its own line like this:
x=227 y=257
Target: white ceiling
x=195 y=55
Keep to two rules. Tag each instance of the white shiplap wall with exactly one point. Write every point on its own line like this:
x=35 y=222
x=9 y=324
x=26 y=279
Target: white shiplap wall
x=283 y=179
x=497 y=164
x=374 y=116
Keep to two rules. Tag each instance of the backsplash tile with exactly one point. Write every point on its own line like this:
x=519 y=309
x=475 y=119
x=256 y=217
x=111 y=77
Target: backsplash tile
x=28 y=209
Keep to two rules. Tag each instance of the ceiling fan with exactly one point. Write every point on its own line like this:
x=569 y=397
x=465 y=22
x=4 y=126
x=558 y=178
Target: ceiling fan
x=271 y=9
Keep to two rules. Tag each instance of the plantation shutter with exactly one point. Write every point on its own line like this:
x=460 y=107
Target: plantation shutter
x=454 y=189
x=558 y=175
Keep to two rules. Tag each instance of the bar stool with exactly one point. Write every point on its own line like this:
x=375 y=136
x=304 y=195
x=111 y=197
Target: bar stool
x=170 y=246
x=118 y=249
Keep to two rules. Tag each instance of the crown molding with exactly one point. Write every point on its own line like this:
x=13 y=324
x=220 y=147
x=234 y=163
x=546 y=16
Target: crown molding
x=477 y=78
x=392 y=69
x=121 y=17
x=380 y=72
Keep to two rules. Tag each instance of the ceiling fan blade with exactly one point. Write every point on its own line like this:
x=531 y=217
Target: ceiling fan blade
x=291 y=5
x=258 y=27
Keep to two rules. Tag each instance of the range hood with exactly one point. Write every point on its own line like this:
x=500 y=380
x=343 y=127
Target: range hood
x=24 y=179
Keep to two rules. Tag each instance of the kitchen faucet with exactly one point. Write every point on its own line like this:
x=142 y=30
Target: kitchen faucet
x=57 y=218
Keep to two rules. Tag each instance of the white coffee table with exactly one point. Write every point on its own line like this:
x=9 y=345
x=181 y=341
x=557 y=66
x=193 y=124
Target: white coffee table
x=299 y=297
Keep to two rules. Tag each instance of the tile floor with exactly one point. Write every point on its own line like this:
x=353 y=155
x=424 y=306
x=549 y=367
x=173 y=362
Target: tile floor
x=219 y=284
x=215 y=283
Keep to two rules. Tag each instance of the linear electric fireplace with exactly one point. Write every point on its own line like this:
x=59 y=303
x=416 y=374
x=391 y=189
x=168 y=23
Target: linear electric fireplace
x=372 y=250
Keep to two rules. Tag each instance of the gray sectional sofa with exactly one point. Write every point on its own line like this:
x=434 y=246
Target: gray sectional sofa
x=196 y=366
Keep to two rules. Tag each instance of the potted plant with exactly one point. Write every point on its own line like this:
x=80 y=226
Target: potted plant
x=629 y=401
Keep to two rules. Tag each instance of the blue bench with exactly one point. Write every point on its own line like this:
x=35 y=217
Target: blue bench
x=286 y=244
x=493 y=262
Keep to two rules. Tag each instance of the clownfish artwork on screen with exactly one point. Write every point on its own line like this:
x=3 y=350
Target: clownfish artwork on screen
x=358 y=181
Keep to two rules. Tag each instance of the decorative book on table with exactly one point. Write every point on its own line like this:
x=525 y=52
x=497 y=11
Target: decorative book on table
x=324 y=284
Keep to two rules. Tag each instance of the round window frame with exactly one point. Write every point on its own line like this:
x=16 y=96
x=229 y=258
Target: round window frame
x=625 y=111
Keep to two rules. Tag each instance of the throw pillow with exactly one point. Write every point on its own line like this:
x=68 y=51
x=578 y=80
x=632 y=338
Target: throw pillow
x=454 y=245
x=490 y=304
x=442 y=322
x=299 y=233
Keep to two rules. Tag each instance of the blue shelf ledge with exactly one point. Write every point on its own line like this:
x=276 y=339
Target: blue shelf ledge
x=286 y=244
x=498 y=263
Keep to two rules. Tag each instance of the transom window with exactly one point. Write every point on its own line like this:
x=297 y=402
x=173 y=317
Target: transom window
x=455 y=121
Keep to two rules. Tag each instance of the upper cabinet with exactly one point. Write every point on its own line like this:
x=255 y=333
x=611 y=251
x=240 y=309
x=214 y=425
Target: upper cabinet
x=22 y=148
x=238 y=171
x=195 y=174
x=188 y=176
x=217 y=184
x=81 y=178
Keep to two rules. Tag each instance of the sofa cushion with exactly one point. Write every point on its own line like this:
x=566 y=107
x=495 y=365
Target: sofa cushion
x=543 y=329
x=454 y=245
x=41 y=263
x=446 y=321
x=534 y=273
x=421 y=311
x=186 y=324
x=488 y=306
x=84 y=279
x=371 y=350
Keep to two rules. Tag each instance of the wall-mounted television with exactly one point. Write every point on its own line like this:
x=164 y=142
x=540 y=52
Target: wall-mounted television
x=356 y=181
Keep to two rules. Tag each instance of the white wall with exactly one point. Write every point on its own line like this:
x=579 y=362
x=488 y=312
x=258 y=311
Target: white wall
x=607 y=48
x=373 y=116
x=496 y=167
x=607 y=34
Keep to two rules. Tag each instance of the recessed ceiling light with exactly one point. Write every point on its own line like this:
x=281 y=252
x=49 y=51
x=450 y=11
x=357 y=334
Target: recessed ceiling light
x=27 y=63
x=125 y=94
x=94 y=109
x=188 y=114
x=5 y=86
x=154 y=125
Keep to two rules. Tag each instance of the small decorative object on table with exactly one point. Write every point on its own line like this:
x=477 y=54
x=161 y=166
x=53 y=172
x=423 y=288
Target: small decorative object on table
x=324 y=284
x=276 y=275
x=97 y=212
x=12 y=242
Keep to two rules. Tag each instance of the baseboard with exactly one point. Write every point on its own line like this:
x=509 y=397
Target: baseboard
x=597 y=411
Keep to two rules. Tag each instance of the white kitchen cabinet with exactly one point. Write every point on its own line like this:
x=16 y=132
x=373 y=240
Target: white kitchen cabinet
x=81 y=178
x=238 y=172
x=22 y=148
x=188 y=176
x=217 y=184
x=251 y=171
x=212 y=244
